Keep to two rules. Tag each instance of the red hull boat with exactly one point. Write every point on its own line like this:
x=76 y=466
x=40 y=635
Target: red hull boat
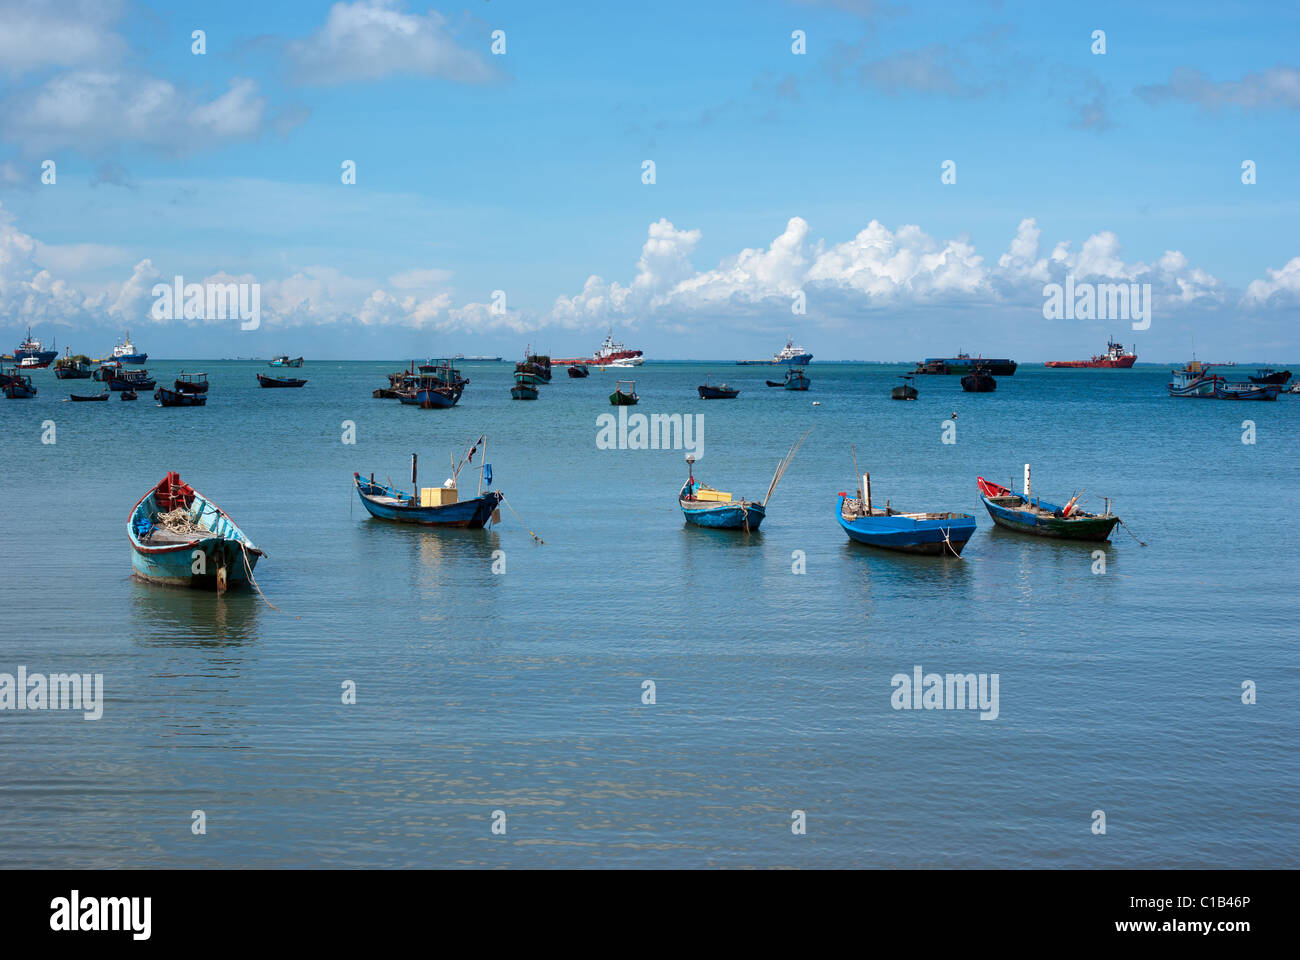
x=1114 y=357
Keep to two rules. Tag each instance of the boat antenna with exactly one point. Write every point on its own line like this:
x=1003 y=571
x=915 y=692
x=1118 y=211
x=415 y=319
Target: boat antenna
x=857 y=476
x=784 y=465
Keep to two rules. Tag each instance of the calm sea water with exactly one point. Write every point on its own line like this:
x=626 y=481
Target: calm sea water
x=522 y=691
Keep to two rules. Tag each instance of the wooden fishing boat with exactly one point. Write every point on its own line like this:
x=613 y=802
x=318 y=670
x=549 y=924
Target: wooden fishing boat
x=723 y=392
x=173 y=398
x=180 y=537
x=578 y=370
x=524 y=388
x=121 y=379
x=266 y=381
x=127 y=395
x=933 y=534
x=1197 y=382
x=535 y=363
x=624 y=398
x=796 y=379
x=191 y=383
x=532 y=379
x=284 y=361
x=19 y=387
x=979 y=381
x=77 y=398
x=904 y=391
x=1029 y=514
x=107 y=370
x=704 y=506
x=1269 y=375
x=69 y=367
x=434 y=506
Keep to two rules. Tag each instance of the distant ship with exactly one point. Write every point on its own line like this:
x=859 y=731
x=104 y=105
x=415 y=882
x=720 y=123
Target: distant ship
x=610 y=353
x=125 y=352
x=32 y=349
x=964 y=364
x=461 y=356
x=789 y=355
x=1114 y=357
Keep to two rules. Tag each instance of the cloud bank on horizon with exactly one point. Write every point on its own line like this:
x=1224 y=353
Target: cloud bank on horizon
x=92 y=102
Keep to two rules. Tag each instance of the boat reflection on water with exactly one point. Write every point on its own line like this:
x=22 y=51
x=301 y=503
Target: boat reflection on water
x=180 y=617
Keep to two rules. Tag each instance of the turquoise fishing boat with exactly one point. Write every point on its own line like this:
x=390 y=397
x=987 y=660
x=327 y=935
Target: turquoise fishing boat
x=1025 y=513
x=180 y=537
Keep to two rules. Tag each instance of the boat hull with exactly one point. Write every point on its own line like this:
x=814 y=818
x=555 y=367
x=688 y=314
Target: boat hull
x=18 y=391
x=1121 y=363
x=523 y=391
x=902 y=393
x=278 y=382
x=724 y=516
x=718 y=393
x=931 y=537
x=171 y=398
x=473 y=514
x=623 y=400
x=198 y=561
x=978 y=383
x=578 y=370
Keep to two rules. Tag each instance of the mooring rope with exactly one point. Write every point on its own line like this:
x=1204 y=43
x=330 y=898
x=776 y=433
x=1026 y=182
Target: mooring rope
x=1131 y=533
x=248 y=570
x=520 y=519
x=947 y=542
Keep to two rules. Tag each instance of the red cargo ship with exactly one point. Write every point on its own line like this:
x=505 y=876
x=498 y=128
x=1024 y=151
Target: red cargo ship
x=1113 y=357
x=611 y=352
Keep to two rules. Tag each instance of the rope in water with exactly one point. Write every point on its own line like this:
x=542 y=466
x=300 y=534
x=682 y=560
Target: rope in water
x=520 y=519
x=248 y=571
x=947 y=542
x=1131 y=533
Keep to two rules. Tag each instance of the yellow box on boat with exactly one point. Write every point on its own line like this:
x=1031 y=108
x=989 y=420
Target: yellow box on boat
x=437 y=496
x=715 y=496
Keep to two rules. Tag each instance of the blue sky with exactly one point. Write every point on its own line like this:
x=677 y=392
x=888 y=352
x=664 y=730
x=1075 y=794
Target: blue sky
x=775 y=173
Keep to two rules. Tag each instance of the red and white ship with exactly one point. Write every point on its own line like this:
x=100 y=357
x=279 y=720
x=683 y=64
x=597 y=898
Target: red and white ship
x=611 y=353
x=1113 y=357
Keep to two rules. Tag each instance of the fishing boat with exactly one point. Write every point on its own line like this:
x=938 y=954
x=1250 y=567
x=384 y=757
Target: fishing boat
x=532 y=379
x=979 y=381
x=32 y=349
x=284 y=361
x=1198 y=382
x=934 y=534
x=125 y=352
x=432 y=393
x=788 y=355
x=434 y=506
x=127 y=395
x=174 y=398
x=19 y=387
x=796 y=379
x=180 y=537
x=524 y=389
x=1269 y=375
x=1113 y=358
x=120 y=379
x=905 y=390
x=723 y=392
x=68 y=367
x=578 y=370
x=106 y=371
x=537 y=364
x=963 y=364
x=78 y=398
x=1029 y=514
x=192 y=382
x=624 y=398
x=704 y=506
x=266 y=381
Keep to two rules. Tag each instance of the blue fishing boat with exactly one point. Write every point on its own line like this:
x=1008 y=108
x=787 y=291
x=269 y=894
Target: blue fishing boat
x=120 y=379
x=174 y=398
x=705 y=506
x=1196 y=381
x=19 y=387
x=935 y=534
x=578 y=370
x=180 y=537
x=1025 y=513
x=434 y=506
x=284 y=361
x=524 y=388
